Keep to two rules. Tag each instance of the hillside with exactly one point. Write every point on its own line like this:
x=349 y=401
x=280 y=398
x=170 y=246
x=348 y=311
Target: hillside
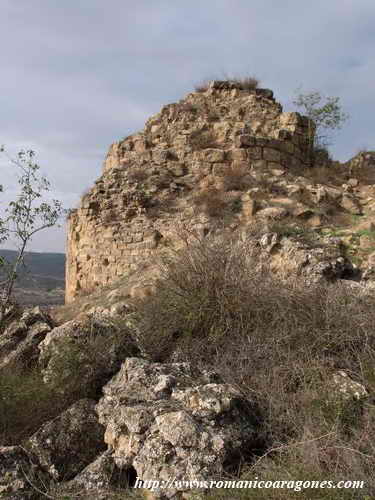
x=42 y=280
x=219 y=319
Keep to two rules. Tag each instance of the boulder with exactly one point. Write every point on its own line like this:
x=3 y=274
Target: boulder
x=347 y=388
x=100 y=480
x=291 y=257
x=168 y=421
x=68 y=443
x=20 y=340
x=82 y=355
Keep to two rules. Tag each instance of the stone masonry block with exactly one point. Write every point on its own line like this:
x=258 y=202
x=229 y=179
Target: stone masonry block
x=238 y=154
x=244 y=141
x=251 y=133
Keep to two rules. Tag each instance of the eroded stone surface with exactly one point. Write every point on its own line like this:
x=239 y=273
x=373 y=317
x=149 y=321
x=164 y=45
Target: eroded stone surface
x=68 y=443
x=20 y=340
x=167 y=421
x=91 y=349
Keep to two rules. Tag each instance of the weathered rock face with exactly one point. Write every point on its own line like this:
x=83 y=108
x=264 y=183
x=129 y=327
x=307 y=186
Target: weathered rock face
x=362 y=159
x=314 y=262
x=99 y=478
x=188 y=146
x=19 y=341
x=82 y=355
x=166 y=422
x=67 y=444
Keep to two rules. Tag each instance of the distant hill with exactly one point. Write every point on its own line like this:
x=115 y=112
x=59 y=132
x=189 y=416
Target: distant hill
x=42 y=280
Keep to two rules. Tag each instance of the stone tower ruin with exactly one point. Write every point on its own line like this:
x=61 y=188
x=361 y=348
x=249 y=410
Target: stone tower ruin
x=151 y=180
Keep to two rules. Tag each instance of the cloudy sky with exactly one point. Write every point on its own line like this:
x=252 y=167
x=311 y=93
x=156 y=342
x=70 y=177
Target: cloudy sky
x=77 y=75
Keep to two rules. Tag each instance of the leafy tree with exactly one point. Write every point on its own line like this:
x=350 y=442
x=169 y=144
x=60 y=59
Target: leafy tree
x=24 y=217
x=325 y=112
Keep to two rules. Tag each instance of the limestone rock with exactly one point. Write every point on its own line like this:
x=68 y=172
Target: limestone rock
x=167 y=421
x=347 y=387
x=19 y=341
x=84 y=354
x=290 y=257
x=99 y=480
x=68 y=443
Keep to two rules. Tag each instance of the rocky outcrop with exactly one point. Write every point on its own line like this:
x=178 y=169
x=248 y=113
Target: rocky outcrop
x=223 y=162
x=19 y=341
x=311 y=260
x=347 y=388
x=67 y=444
x=100 y=478
x=165 y=421
x=82 y=355
x=158 y=420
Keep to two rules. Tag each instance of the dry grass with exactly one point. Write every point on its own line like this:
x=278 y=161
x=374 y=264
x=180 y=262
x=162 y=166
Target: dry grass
x=322 y=156
x=25 y=404
x=246 y=82
x=365 y=173
x=279 y=343
x=187 y=107
x=241 y=82
x=327 y=175
x=288 y=226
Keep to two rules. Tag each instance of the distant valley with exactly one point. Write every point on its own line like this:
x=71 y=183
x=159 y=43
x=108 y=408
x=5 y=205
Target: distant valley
x=42 y=280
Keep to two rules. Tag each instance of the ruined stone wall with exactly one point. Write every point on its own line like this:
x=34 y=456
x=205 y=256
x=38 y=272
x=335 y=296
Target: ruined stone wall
x=149 y=181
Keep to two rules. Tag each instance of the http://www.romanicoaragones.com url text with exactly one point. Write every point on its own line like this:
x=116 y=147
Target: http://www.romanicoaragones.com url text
x=256 y=483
